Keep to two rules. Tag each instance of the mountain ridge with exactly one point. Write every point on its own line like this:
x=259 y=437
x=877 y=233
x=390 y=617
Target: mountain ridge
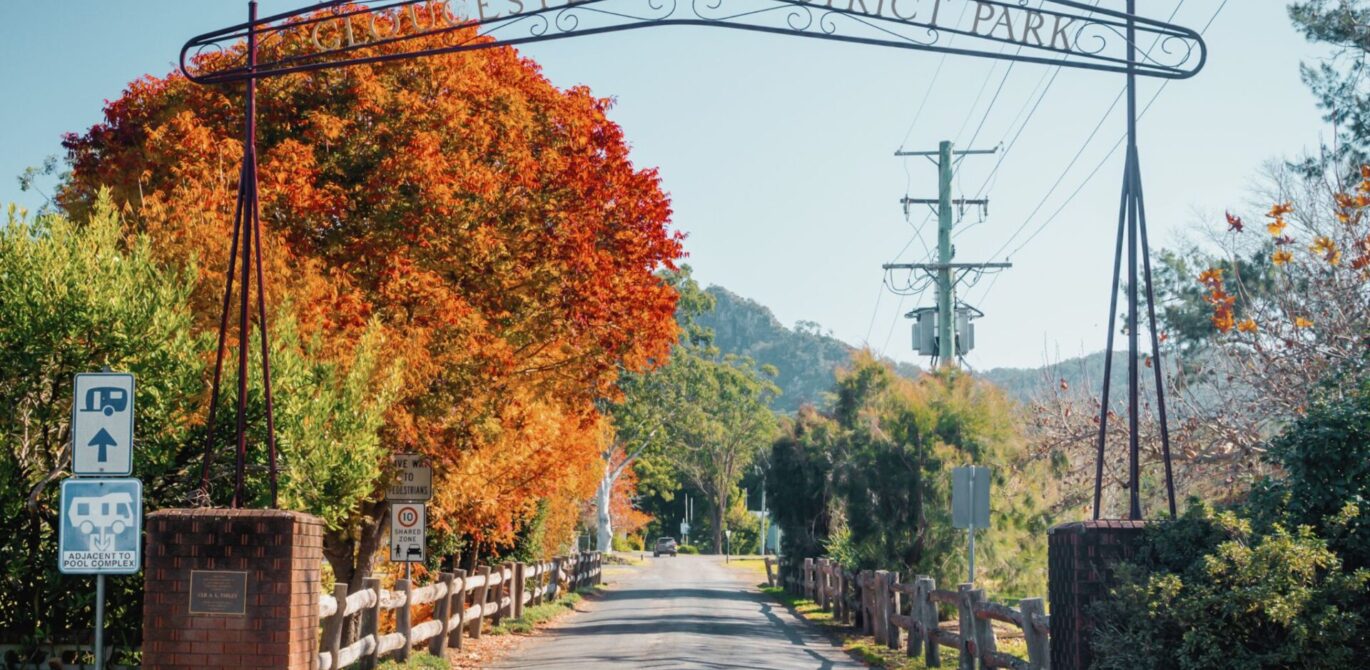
x=806 y=357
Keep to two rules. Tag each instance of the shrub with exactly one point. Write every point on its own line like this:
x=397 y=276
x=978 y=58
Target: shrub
x=1208 y=592
x=687 y=549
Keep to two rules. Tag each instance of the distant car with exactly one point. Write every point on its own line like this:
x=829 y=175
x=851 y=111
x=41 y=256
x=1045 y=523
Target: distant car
x=664 y=545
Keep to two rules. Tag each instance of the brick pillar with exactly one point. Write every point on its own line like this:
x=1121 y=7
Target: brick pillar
x=256 y=598
x=1080 y=560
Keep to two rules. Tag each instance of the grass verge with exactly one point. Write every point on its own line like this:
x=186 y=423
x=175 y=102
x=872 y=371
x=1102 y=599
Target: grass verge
x=537 y=614
x=418 y=661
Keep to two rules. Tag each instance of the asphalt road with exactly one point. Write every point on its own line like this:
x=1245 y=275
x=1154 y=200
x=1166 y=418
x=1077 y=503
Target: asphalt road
x=682 y=612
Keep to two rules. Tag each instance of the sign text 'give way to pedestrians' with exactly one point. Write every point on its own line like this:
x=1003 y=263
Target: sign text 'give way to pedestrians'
x=413 y=480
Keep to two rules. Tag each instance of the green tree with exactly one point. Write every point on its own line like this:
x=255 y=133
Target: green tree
x=722 y=425
x=649 y=399
x=1339 y=82
x=76 y=298
x=870 y=484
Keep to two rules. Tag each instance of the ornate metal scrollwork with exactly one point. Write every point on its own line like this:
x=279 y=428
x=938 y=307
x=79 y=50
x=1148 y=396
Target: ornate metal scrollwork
x=1053 y=32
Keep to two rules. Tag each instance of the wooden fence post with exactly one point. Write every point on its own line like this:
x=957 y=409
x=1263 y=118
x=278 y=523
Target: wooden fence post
x=867 y=582
x=840 y=613
x=878 y=611
x=985 y=644
x=442 y=608
x=1038 y=646
x=333 y=627
x=402 y=617
x=519 y=584
x=459 y=602
x=808 y=578
x=967 y=622
x=914 y=645
x=892 y=608
x=555 y=579
x=932 y=651
x=506 y=590
x=370 y=623
x=820 y=583
x=481 y=592
x=536 y=598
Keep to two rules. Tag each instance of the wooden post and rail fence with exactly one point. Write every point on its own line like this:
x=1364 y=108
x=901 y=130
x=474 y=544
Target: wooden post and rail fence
x=904 y=614
x=460 y=603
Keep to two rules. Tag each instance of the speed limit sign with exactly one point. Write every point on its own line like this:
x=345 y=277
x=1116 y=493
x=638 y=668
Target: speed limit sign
x=408 y=526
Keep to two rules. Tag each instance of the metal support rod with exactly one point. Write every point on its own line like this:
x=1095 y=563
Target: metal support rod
x=1133 y=404
x=266 y=348
x=970 y=532
x=1132 y=223
x=1155 y=342
x=970 y=528
x=244 y=344
x=223 y=333
x=247 y=226
x=99 y=621
x=1108 y=350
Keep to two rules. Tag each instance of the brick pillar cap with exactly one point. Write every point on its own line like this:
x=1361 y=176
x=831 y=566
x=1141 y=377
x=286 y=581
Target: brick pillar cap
x=225 y=513
x=1079 y=527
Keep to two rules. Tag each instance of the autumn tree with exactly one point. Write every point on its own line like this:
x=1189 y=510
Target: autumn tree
x=484 y=225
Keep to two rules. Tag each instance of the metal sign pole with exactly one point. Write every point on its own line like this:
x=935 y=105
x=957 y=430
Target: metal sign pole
x=99 y=621
x=970 y=532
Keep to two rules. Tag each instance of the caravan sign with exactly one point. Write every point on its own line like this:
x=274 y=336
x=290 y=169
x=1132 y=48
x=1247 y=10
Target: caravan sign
x=101 y=529
x=102 y=424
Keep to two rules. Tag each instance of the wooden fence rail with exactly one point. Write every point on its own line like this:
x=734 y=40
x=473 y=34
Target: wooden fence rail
x=883 y=606
x=460 y=603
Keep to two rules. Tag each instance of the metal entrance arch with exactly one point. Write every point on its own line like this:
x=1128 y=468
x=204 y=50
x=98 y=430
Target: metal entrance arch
x=1064 y=33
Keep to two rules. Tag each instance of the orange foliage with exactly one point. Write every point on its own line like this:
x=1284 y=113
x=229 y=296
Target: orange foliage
x=627 y=518
x=492 y=223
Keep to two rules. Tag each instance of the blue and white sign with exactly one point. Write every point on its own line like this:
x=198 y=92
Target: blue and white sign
x=102 y=424
x=101 y=529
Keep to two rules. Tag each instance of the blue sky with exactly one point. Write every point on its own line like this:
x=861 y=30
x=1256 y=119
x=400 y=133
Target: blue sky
x=778 y=151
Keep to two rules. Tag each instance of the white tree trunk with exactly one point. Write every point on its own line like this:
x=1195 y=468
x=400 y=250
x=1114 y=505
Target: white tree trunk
x=605 y=517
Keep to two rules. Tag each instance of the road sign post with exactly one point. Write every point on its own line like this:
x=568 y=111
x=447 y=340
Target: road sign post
x=970 y=504
x=102 y=424
x=100 y=534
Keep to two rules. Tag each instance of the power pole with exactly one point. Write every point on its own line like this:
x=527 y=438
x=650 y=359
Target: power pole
x=948 y=274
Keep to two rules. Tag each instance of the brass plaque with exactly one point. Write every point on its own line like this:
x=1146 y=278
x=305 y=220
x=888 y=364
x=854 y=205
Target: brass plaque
x=221 y=592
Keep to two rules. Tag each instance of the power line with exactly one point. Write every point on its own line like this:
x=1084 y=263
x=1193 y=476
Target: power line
x=1093 y=173
x=1083 y=147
